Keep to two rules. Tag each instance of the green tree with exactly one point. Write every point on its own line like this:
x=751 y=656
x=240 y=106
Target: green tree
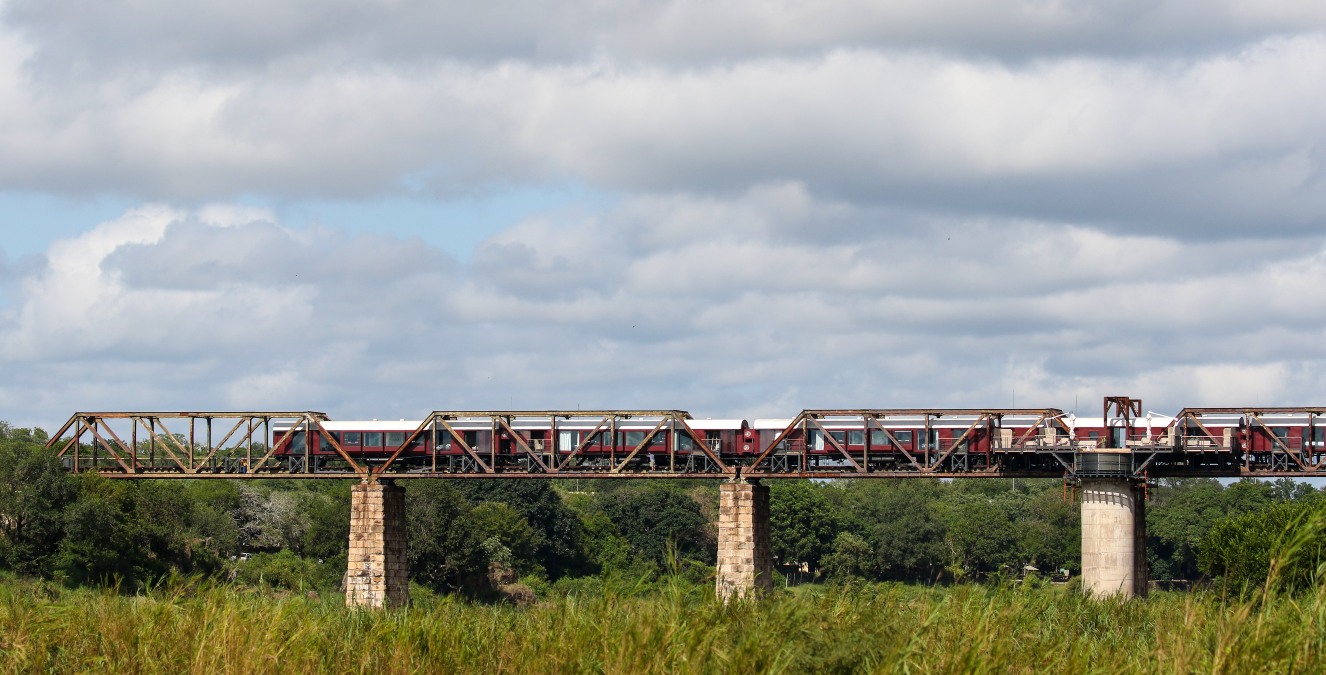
x=443 y=551
x=500 y=522
x=1282 y=545
x=851 y=558
x=899 y=519
x=1182 y=513
x=34 y=492
x=328 y=533
x=1049 y=530
x=557 y=532
x=980 y=532
x=656 y=520
x=803 y=522
x=133 y=532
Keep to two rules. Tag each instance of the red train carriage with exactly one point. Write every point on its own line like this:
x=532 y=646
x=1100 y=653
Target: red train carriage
x=525 y=443
x=910 y=440
x=1275 y=439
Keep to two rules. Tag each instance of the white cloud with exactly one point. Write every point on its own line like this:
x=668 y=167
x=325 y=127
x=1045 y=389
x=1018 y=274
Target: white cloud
x=1213 y=141
x=163 y=308
x=798 y=204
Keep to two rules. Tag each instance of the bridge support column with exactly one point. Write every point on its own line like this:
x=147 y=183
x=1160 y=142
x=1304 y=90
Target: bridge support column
x=745 y=554
x=1113 y=537
x=377 y=574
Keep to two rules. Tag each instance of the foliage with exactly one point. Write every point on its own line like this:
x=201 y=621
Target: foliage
x=804 y=522
x=442 y=554
x=657 y=521
x=1183 y=511
x=1283 y=546
x=556 y=532
x=289 y=571
x=677 y=628
x=34 y=490
x=850 y=559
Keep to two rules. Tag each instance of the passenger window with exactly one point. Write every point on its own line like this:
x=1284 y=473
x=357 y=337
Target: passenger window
x=350 y=438
x=904 y=437
x=856 y=438
x=373 y=439
x=297 y=441
x=395 y=438
x=878 y=438
x=840 y=436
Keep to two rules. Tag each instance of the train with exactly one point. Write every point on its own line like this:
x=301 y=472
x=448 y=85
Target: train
x=958 y=441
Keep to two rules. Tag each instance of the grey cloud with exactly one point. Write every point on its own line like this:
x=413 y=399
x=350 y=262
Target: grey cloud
x=1222 y=145
x=411 y=340
x=194 y=255
x=73 y=35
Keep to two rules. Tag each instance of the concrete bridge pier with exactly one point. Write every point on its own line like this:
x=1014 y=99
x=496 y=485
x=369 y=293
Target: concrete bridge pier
x=745 y=553
x=1113 y=537
x=377 y=574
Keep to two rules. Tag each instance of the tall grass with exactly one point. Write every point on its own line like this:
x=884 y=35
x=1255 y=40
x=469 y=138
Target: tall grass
x=681 y=628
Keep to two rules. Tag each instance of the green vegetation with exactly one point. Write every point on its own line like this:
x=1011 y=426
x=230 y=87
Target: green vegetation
x=1283 y=545
x=616 y=576
x=677 y=628
x=519 y=540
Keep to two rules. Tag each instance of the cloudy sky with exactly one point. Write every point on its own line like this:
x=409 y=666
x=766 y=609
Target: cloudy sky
x=734 y=207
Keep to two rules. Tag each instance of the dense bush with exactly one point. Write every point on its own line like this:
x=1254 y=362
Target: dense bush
x=1282 y=546
x=561 y=538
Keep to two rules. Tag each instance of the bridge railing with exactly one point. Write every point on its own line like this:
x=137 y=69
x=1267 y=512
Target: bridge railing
x=192 y=444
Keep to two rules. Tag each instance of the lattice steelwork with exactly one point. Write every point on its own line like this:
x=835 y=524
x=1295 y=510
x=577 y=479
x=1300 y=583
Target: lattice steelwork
x=848 y=443
x=191 y=444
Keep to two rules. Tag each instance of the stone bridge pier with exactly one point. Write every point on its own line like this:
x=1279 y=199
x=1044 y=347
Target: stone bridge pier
x=377 y=574
x=1113 y=537
x=745 y=553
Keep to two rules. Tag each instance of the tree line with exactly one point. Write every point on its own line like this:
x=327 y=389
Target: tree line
x=486 y=537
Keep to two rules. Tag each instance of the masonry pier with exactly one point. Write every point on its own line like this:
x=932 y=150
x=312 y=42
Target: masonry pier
x=745 y=553
x=1113 y=537
x=377 y=574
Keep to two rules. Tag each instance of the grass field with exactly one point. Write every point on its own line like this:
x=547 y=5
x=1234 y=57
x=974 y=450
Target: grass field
x=680 y=628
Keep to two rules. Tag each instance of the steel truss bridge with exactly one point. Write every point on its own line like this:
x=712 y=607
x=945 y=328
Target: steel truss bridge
x=244 y=445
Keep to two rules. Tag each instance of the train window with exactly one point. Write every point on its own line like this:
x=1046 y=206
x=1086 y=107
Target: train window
x=658 y=438
x=297 y=441
x=840 y=436
x=351 y=438
x=1281 y=433
x=904 y=437
x=932 y=439
x=1093 y=435
x=878 y=438
x=685 y=442
x=568 y=441
x=373 y=439
x=633 y=438
x=856 y=438
x=815 y=440
x=1319 y=435
x=395 y=438
x=324 y=444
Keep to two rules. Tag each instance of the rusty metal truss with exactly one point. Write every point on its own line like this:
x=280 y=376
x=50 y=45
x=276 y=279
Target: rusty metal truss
x=545 y=457
x=1041 y=442
x=188 y=444
x=1031 y=449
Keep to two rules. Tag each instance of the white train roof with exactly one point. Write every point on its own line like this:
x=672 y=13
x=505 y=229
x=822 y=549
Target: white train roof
x=522 y=424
